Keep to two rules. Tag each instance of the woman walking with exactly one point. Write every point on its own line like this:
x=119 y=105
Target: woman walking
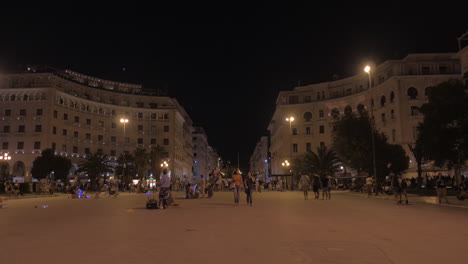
x=305 y=185
x=237 y=180
x=249 y=187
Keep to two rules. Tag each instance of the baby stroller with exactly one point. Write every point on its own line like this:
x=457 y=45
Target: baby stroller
x=164 y=196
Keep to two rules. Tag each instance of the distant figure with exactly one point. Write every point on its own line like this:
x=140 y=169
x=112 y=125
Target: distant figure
x=403 y=187
x=305 y=185
x=325 y=186
x=8 y=189
x=441 y=188
x=316 y=185
x=462 y=189
x=369 y=184
x=203 y=185
x=249 y=187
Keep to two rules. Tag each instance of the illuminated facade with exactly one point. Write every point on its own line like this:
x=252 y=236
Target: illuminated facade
x=399 y=88
x=77 y=114
x=259 y=159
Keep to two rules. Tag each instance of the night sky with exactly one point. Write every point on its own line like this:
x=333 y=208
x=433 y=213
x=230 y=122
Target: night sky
x=225 y=62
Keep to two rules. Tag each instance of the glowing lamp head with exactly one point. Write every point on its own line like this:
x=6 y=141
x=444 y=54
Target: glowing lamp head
x=367 y=68
x=290 y=119
x=123 y=120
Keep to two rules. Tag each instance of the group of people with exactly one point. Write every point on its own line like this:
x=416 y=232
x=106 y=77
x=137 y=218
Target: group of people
x=12 y=189
x=239 y=183
x=317 y=184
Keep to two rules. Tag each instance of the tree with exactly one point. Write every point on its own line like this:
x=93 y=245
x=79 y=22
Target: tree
x=61 y=168
x=95 y=165
x=43 y=165
x=141 y=158
x=323 y=162
x=352 y=142
x=444 y=131
x=49 y=162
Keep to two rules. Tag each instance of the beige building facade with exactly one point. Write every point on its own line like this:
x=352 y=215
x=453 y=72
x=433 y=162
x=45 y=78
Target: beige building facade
x=399 y=88
x=76 y=114
x=259 y=159
x=205 y=157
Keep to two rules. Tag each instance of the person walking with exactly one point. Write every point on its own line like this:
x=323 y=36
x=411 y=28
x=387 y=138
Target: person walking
x=8 y=189
x=249 y=187
x=202 y=185
x=441 y=189
x=316 y=185
x=305 y=185
x=212 y=181
x=16 y=189
x=325 y=186
x=403 y=187
x=237 y=180
x=369 y=184
x=462 y=189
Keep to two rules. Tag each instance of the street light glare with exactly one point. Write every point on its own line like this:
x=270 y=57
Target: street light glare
x=367 y=68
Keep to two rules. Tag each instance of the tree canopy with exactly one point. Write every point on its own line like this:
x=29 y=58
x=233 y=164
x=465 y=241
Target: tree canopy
x=444 y=131
x=94 y=165
x=323 y=162
x=352 y=141
x=49 y=162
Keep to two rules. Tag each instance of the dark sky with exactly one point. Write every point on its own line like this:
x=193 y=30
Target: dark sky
x=225 y=61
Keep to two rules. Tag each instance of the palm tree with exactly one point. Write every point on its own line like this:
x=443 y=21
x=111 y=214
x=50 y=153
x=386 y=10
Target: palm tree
x=125 y=168
x=94 y=165
x=141 y=158
x=323 y=162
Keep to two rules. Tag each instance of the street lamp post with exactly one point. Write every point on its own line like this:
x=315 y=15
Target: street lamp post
x=286 y=164
x=290 y=120
x=367 y=69
x=124 y=121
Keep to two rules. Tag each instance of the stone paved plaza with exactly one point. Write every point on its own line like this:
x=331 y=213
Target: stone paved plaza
x=278 y=228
